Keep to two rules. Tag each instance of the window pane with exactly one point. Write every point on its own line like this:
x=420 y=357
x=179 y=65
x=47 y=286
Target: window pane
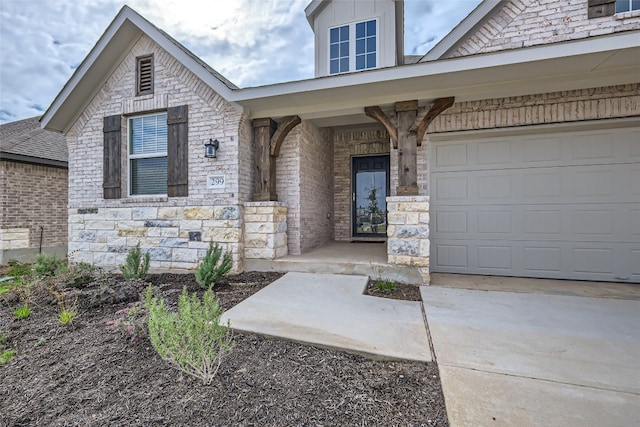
x=335 y=51
x=344 y=48
x=360 y=30
x=360 y=45
x=371 y=28
x=635 y=5
x=371 y=60
x=371 y=44
x=334 y=66
x=148 y=134
x=360 y=62
x=344 y=33
x=334 y=35
x=344 y=64
x=149 y=176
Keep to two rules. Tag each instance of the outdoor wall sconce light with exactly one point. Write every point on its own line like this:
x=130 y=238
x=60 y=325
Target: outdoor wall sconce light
x=210 y=148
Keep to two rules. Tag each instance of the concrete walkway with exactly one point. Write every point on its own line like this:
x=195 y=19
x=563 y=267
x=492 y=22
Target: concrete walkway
x=515 y=359
x=505 y=358
x=330 y=310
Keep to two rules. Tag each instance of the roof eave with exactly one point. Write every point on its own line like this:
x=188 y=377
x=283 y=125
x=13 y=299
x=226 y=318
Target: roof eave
x=463 y=30
x=513 y=72
x=125 y=29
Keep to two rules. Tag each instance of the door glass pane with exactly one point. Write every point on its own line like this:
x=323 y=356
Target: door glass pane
x=371 y=193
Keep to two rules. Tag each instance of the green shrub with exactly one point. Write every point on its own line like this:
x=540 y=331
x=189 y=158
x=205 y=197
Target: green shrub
x=6 y=356
x=212 y=269
x=385 y=285
x=191 y=339
x=18 y=269
x=22 y=312
x=48 y=265
x=136 y=266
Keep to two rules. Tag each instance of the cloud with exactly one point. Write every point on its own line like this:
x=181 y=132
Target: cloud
x=251 y=42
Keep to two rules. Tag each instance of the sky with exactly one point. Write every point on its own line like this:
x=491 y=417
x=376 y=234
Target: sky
x=250 y=42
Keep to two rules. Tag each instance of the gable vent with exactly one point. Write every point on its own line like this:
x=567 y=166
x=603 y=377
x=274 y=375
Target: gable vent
x=144 y=71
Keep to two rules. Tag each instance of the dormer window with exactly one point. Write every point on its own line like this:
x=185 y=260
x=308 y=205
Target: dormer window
x=361 y=54
x=144 y=75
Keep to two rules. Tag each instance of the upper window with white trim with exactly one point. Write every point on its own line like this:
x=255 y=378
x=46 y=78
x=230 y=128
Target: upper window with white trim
x=148 y=155
x=627 y=5
x=361 y=54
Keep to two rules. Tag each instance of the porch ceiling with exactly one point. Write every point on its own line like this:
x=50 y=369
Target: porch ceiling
x=339 y=100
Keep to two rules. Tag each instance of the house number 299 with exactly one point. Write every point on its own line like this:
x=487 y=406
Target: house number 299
x=215 y=181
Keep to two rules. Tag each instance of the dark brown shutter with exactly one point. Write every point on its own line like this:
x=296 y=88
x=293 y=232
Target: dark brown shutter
x=599 y=8
x=112 y=158
x=178 y=151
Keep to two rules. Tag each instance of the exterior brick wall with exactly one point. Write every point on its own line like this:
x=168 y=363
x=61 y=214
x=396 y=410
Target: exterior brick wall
x=316 y=186
x=175 y=230
x=304 y=183
x=348 y=143
x=522 y=23
x=288 y=187
x=33 y=196
x=210 y=116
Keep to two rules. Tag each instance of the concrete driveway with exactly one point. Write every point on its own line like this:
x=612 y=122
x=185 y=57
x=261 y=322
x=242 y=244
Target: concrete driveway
x=520 y=359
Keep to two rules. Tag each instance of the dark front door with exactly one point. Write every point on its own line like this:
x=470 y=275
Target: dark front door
x=370 y=190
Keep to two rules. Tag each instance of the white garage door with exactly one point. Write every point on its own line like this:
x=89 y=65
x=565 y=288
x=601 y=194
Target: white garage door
x=554 y=204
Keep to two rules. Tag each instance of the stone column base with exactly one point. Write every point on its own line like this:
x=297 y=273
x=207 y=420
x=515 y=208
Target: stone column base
x=265 y=230
x=408 y=232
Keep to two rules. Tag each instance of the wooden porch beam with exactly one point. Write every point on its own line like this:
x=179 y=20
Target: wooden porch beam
x=281 y=133
x=438 y=106
x=377 y=114
x=265 y=164
x=406 y=114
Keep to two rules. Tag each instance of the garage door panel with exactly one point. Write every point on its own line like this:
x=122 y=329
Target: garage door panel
x=556 y=205
x=542 y=259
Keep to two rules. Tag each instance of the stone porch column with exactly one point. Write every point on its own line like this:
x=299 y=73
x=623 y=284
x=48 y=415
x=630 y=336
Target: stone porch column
x=265 y=230
x=408 y=232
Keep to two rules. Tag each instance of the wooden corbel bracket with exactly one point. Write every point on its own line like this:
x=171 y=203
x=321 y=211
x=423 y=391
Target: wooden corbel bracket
x=438 y=106
x=377 y=114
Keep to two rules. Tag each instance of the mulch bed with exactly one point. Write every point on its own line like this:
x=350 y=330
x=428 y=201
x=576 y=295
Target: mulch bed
x=86 y=375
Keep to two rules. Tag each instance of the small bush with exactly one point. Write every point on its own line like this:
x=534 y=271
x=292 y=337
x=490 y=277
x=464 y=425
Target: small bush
x=191 y=339
x=136 y=266
x=22 y=312
x=212 y=269
x=67 y=306
x=131 y=320
x=48 y=265
x=385 y=285
x=77 y=275
x=5 y=354
x=66 y=315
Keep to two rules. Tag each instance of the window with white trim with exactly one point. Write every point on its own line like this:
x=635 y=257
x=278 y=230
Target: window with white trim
x=148 y=155
x=627 y=5
x=353 y=47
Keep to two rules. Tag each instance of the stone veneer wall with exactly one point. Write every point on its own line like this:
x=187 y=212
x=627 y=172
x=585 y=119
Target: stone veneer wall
x=265 y=230
x=347 y=143
x=176 y=230
x=32 y=196
x=408 y=232
x=522 y=23
x=175 y=237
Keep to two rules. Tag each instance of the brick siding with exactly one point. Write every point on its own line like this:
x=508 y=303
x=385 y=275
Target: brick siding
x=522 y=23
x=33 y=196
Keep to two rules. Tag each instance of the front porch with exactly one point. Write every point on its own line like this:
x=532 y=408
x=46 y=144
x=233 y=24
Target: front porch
x=354 y=258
